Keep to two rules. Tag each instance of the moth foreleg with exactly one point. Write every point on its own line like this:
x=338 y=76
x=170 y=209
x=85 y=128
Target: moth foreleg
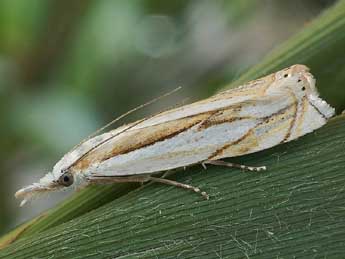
x=180 y=185
x=142 y=179
x=228 y=164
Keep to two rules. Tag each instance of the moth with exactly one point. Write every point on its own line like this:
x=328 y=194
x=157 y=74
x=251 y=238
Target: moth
x=258 y=115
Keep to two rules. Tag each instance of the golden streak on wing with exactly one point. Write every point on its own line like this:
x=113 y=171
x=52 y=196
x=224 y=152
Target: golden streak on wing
x=279 y=123
x=304 y=106
x=276 y=127
x=137 y=139
x=294 y=118
x=226 y=115
x=241 y=146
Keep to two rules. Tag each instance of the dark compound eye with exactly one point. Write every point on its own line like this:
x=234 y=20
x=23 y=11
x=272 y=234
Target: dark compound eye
x=286 y=75
x=303 y=88
x=66 y=179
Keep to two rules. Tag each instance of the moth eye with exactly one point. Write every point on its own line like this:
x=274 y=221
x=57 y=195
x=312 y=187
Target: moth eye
x=66 y=179
x=299 y=80
x=303 y=88
x=286 y=75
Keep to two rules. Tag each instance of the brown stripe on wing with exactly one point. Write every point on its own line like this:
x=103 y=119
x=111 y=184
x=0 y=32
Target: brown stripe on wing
x=138 y=139
x=224 y=115
x=270 y=80
x=318 y=111
x=248 y=141
x=293 y=122
x=208 y=123
x=304 y=104
x=239 y=150
x=85 y=163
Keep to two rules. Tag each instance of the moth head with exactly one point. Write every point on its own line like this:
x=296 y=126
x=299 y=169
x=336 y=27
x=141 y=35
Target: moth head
x=52 y=181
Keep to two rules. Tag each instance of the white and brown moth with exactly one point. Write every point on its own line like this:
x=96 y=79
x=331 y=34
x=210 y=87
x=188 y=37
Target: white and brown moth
x=255 y=116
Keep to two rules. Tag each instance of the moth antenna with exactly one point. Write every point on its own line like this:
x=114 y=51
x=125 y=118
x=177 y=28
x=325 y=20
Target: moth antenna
x=128 y=113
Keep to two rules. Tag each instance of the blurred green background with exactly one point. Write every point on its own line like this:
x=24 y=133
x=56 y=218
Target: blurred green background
x=68 y=67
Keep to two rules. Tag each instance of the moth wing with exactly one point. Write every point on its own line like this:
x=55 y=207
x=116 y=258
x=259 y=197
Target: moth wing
x=224 y=99
x=184 y=141
x=308 y=118
x=189 y=147
x=77 y=152
x=289 y=123
x=236 y=96
x=271 y=131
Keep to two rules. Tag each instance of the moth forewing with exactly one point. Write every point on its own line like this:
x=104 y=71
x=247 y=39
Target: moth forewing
x=258 y=115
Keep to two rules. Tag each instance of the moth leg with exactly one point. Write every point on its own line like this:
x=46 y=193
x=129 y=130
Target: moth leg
x=180 y=185
x=167 y=174
x=228 y=164
x=203 y=164
x=142 y=179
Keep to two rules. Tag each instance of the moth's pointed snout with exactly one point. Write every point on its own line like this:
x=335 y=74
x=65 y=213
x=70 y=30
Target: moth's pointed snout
x=27 y=193
x=46 y=184
x=20 y=194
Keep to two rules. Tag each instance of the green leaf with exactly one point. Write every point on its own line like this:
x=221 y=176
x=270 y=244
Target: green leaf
x=293 y=209
x=78 y=204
